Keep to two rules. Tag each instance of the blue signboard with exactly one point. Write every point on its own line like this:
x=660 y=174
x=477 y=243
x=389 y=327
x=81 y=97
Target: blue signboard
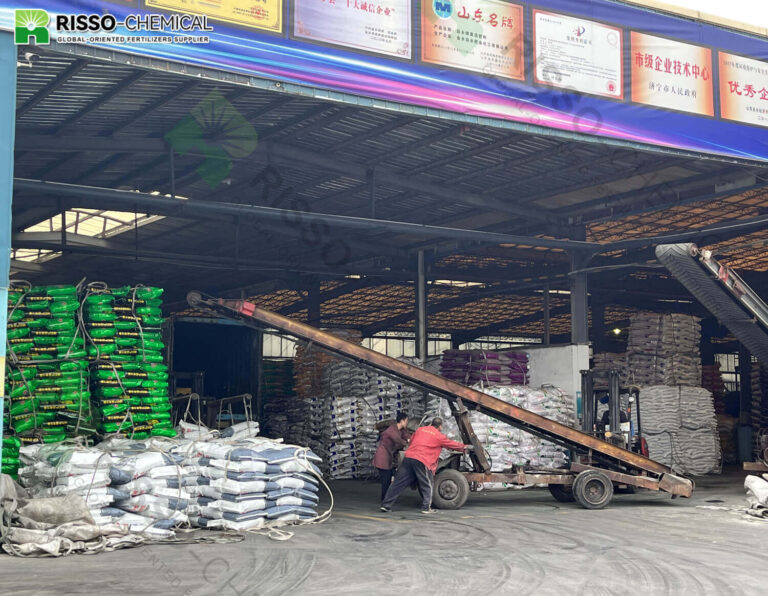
x=594 y=67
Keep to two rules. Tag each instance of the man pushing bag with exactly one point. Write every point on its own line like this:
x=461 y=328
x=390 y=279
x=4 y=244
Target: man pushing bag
x=420 y=464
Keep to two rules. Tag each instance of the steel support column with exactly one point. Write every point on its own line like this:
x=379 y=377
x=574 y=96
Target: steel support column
x=745 y=386
x=313 y=303
x=579 y=292
x=421 y=308
x=8 y=53
x=546 y=317
x=598 y=325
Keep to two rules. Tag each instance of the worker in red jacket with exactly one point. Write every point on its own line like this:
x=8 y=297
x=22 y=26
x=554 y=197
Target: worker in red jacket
x=420 y=464
x=392 y=440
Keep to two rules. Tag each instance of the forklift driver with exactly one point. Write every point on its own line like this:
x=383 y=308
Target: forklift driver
x=604 y=423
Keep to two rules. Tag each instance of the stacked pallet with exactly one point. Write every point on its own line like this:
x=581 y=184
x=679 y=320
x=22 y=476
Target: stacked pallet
x=664 y=350
x=480 y=366
x=759 y=396
x=680 y=426
x=46 y=377
x=712 y=381
x=129 y=379
x=507 y=446
x=603 y=363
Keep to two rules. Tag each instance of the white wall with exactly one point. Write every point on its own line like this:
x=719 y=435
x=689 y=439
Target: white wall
x=558 y=365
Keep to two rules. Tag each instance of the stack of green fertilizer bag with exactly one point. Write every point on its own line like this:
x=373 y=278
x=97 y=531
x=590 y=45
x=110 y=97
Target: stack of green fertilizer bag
x=46 y=381
x=129 y=381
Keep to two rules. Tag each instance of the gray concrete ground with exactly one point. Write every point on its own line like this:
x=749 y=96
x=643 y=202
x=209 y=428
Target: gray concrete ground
x=520 y=542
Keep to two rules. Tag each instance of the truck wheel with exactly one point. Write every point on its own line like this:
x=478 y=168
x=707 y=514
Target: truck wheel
x=562 y=493
x=593 y=489
x=450 y=490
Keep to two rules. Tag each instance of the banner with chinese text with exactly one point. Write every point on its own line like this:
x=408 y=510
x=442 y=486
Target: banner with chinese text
x=743 y=89
x=592 y=68
x=672 y=75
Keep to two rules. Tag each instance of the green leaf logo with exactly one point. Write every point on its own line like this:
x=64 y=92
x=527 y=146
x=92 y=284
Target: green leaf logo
x=32 y=27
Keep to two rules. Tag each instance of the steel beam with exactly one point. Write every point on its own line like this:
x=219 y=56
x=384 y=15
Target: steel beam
x=46 y=91
x=472 y=334
x=104 y=198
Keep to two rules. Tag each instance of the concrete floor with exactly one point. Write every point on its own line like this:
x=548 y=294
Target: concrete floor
x=520 y=542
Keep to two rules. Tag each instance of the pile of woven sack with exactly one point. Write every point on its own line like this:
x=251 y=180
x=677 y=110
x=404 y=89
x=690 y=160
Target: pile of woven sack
x=680 y=427
x=664 y=349
x=507 y=446
x=490 y=368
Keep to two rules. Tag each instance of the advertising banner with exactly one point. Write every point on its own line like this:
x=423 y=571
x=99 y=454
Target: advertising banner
x=482 y=36
x=578 y=54
x=743 y=89
x=259 y=14
x=673 y=75
x=596 y=68
x=380 y=26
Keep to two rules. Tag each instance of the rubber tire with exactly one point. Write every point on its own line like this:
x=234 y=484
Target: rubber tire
x=562 y=493
x=593 y=489
x=450 y=489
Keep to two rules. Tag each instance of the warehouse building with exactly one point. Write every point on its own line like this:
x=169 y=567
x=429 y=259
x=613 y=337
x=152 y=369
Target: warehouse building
x=486 y=197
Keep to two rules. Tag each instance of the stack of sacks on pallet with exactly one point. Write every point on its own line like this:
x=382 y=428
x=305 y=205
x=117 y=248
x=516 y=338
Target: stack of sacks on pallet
x=680 y=426
x=129 y=380
x=664 y=349
x=507 y=446
x=248 y=483
x=712 y=381
x=46 y=373
x=603 y=363
x=490 y=368
x=341 y=423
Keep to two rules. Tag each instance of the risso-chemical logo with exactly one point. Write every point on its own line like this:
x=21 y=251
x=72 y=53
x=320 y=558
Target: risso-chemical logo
x=37 y=27
x=32 y=27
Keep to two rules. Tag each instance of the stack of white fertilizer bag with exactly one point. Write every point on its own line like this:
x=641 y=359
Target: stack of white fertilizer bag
x=62 y=469
x=103 y=477
x=680 y=426
x=248 y=483
x=342 y=423
x=508 y=447
x=664 y=350
x=230 y=479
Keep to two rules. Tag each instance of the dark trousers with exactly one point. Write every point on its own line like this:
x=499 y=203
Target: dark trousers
x=385 y=477
x=410 y=471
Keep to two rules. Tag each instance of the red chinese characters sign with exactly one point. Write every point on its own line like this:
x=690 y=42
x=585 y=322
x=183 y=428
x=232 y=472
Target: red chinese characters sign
x=743 y=89
x=671 y=74
x=484 y=36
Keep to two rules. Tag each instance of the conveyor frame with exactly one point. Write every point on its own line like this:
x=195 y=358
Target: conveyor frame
x=590 y=452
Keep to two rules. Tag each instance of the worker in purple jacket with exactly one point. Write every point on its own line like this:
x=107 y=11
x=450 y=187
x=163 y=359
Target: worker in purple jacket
x=392 y=440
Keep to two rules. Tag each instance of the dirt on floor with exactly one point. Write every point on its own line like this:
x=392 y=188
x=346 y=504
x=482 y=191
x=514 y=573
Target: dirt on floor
x=514 y=542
